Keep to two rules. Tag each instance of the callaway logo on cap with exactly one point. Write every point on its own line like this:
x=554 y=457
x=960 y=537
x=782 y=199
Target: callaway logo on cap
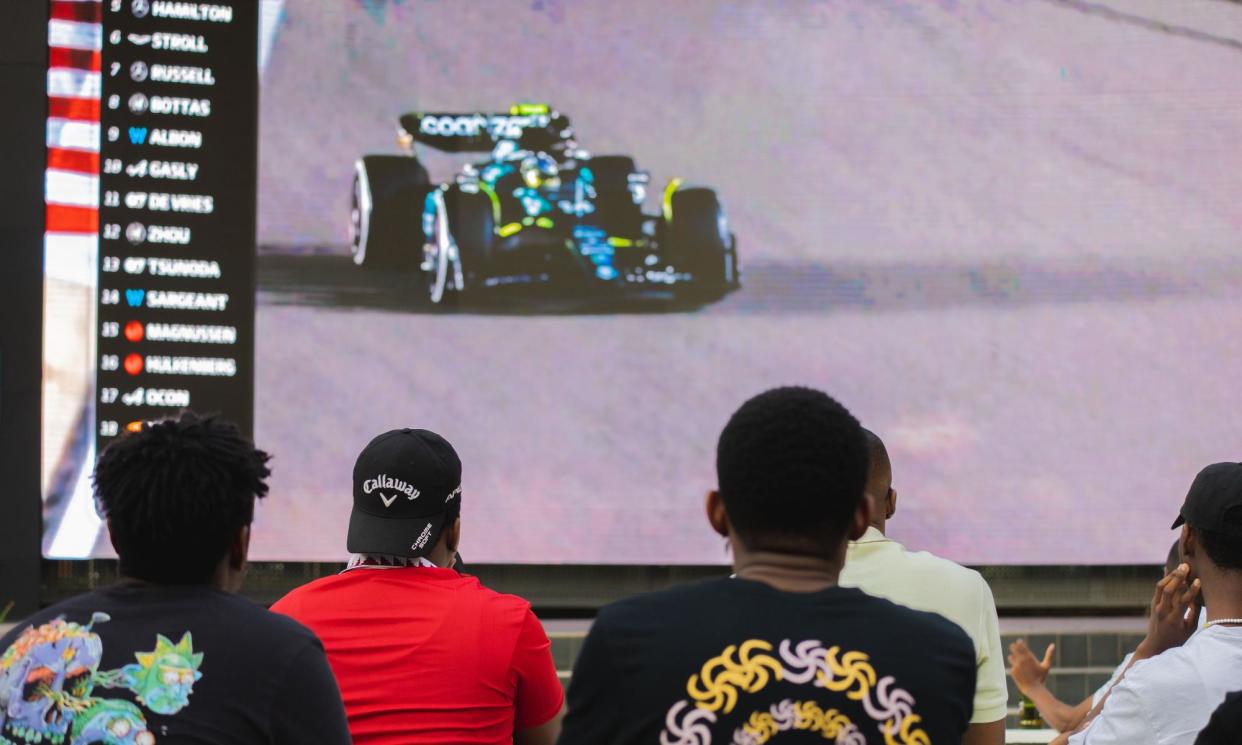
x=404 y=481
x=384 y=481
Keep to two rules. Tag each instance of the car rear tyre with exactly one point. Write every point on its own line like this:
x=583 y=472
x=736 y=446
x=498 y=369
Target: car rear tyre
x=386 y=211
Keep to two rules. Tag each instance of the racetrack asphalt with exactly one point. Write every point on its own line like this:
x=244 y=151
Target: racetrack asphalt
x=1005 y=234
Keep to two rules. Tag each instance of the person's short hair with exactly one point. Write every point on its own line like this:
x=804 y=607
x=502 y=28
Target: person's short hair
x=878 y=464
x=1223 y=549
x=175 y=493
x=792 y=469
x=1174 y=559
x=452 y=511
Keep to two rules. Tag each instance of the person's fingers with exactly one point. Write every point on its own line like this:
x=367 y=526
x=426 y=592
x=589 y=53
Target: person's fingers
x=1171 y=588
x=1190 y=622
x=1046 y=663
x=1191 y=592
x=1019 y=647
x=1159 y=590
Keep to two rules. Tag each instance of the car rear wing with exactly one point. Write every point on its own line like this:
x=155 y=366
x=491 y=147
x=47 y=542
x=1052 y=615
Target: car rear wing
x=471 y=133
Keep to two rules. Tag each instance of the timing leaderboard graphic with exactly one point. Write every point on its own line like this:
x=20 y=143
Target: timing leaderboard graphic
x=177 y=165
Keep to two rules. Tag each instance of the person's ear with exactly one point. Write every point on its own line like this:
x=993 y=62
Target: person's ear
x=452 y=536
x=861 y=520
x=717 y=515
x=240 y=549
x=890 y=504
x=1188 y=547
x=110 y=538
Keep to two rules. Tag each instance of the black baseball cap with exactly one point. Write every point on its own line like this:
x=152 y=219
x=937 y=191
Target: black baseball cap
x=404 y=481
x=1215 y=492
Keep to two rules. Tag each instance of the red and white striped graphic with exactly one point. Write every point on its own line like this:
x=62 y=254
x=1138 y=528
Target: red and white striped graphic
x=75 y=38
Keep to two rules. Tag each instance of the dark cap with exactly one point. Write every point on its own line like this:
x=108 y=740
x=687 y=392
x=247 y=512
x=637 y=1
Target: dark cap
x=404 y=480
x=1216 y=492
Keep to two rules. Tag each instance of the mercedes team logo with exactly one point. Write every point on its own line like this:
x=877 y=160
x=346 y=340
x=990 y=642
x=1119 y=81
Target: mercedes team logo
x=138 y=103
x=136 y=233
x=140 y=8
x=138 y=71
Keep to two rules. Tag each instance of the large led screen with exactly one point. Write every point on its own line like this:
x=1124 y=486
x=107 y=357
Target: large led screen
x=573 y=236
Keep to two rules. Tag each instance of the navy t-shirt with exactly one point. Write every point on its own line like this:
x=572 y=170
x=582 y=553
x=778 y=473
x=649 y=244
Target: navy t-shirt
x=147 y=664
x=738 y=662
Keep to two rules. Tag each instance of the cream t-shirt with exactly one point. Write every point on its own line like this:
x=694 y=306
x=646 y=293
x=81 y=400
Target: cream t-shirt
x=916 y=579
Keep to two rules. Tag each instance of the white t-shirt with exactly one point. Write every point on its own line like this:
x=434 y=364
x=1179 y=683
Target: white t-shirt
x=916 y=579
x=1167 y=699
x=1099 y=694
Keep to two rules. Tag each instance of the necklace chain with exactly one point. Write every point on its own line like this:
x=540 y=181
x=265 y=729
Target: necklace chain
x=1222 y=620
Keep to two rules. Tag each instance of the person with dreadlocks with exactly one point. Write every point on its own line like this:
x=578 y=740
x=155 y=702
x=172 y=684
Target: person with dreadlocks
x=171 y=653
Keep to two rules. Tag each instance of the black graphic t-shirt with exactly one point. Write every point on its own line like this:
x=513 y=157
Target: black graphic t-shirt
x=146 y=664
x=737 y=662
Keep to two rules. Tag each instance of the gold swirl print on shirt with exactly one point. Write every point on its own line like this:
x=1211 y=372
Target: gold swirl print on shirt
x=717 y=684
x=749 y=667
x=806 y=716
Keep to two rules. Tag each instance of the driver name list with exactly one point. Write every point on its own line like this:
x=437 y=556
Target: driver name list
x=178 y=132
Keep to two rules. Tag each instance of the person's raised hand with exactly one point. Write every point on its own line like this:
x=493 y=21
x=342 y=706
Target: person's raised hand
x=1174 y=613
x=1029 y=672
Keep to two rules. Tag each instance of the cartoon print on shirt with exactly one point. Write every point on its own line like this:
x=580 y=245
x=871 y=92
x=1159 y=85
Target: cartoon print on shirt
x=162 y=680
x=49 y=677
x=724 y=680
x=111 y=722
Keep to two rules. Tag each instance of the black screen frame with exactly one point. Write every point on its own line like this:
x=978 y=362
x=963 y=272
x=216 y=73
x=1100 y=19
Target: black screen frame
x=23 y=151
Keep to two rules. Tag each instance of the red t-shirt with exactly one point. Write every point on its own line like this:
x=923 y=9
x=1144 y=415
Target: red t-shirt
x=427 y=655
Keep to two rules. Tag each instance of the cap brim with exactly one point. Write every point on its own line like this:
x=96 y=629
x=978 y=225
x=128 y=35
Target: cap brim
x=1179 y=522
x=369 y=534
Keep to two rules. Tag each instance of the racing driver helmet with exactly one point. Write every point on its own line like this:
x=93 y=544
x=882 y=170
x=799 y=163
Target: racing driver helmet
x=505 y=151
x=540 y=171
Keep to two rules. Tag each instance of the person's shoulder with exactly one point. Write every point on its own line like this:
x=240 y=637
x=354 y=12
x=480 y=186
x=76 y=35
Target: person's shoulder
x=251 y=615
x=929 y=628
x=1154 y=679
x=1177 y=669
x=73 y=610
x=306 y=593
x=224 y=612
x=493 y=599
x=960 y=578
x=669 y=602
